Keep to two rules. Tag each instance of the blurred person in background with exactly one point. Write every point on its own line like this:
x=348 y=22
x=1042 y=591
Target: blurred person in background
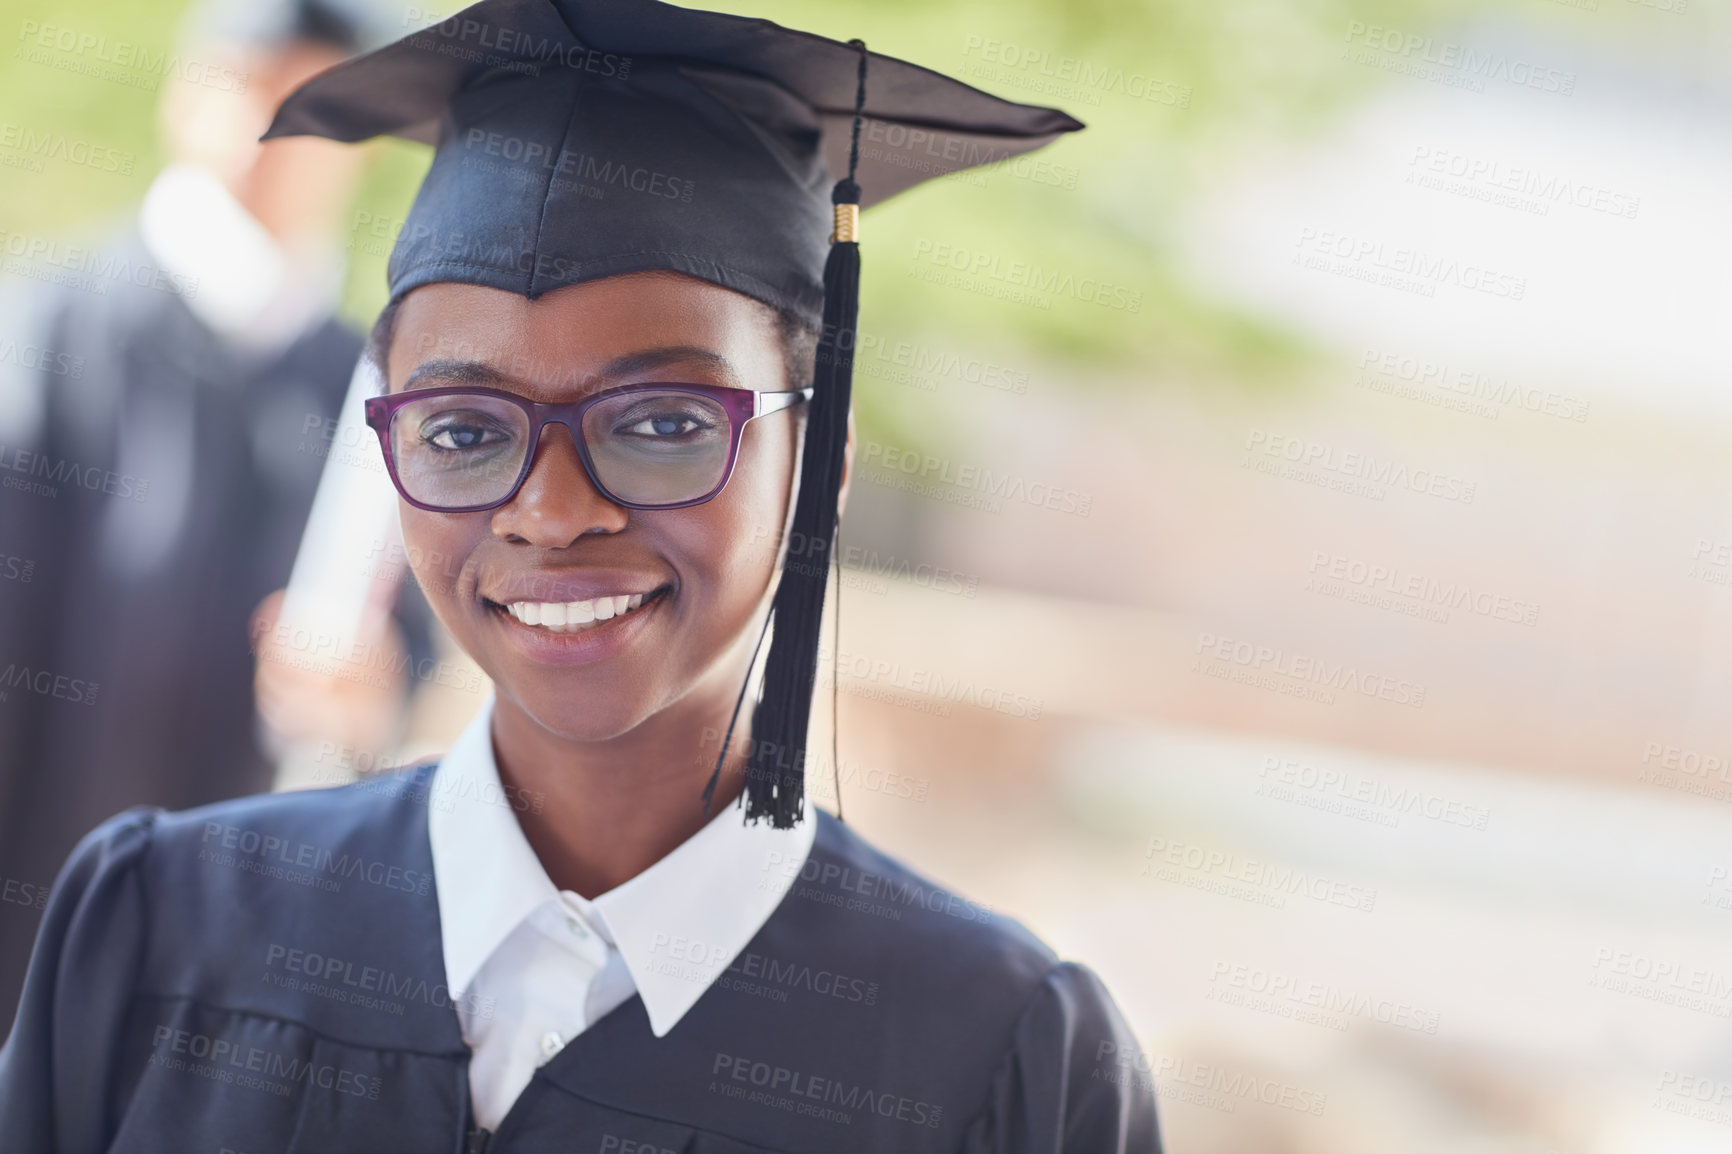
x=203 y=392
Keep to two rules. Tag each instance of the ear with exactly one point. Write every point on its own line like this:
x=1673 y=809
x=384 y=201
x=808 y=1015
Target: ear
x=847 y=468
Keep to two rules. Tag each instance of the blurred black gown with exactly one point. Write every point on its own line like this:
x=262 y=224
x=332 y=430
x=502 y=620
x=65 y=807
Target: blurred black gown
x=212 y=457
x=153 y=1021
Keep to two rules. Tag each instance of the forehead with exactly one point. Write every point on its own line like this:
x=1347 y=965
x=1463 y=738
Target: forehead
x=570 y=337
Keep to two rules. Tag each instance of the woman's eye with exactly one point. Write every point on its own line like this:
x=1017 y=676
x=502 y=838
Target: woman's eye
x=457 y=435
x=663 y=425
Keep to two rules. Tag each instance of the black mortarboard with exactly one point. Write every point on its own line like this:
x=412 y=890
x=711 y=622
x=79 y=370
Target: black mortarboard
x=580 y=139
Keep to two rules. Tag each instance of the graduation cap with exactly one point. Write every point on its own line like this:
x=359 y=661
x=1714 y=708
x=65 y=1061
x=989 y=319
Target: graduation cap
x=581 y=139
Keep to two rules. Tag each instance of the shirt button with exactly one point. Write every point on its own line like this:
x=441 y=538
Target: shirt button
x=577 y=927
x=551 y=1044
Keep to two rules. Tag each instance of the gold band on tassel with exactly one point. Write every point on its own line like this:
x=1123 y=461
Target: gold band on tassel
x=847 y=223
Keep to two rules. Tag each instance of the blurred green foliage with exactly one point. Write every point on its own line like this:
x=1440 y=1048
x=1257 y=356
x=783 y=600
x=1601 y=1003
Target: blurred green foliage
x=1223 y=73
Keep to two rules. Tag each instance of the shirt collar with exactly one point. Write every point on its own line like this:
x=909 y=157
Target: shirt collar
x=691 y=913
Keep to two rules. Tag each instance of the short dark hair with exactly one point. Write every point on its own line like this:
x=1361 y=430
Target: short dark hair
x=378 y=350
x=798 y=338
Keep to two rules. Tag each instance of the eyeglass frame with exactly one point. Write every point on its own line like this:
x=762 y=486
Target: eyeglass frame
x=742 y=406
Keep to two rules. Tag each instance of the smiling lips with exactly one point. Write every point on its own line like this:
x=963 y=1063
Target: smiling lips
x=573 y=616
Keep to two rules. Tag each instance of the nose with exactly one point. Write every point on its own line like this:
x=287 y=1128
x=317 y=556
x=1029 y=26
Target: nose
x=557 y=503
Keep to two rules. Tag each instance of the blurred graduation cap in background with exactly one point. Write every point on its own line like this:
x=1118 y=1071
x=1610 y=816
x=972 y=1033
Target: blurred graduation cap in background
x=349 y=26
x=581 y=139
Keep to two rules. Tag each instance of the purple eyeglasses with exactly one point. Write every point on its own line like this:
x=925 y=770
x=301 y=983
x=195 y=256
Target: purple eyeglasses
x=464 y=449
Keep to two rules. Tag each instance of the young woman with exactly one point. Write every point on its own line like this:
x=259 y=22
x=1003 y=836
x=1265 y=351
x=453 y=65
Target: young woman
x=617 y=355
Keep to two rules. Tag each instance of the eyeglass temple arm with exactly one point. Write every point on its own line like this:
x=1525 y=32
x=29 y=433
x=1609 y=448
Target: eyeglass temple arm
x=774 y=402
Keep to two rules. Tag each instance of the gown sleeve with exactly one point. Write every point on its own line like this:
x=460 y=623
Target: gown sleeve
x=1074 y=1080
x=58 y=1068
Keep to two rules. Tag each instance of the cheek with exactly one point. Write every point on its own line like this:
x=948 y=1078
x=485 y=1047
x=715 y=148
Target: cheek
x=437 y=547
x=732 y=541
x=759 y=495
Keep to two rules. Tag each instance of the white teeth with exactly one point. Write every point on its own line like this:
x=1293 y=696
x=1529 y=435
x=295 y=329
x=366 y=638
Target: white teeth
x=571 y=616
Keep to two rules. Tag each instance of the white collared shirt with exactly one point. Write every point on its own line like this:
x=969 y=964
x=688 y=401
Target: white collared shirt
x=531 y=967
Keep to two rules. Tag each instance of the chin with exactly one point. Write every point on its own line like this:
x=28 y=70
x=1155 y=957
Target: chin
x=587 y=723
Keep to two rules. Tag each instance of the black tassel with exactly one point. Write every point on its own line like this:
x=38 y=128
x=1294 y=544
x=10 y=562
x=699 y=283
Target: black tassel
x=776 y=766
x=776 y=773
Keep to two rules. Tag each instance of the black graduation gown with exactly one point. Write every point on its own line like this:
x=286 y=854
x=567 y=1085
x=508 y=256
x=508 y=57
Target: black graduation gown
x=158 y=1016
x=211 y=459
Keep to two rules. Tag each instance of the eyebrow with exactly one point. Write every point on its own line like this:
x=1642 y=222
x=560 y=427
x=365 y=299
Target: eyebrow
x=471 y=372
